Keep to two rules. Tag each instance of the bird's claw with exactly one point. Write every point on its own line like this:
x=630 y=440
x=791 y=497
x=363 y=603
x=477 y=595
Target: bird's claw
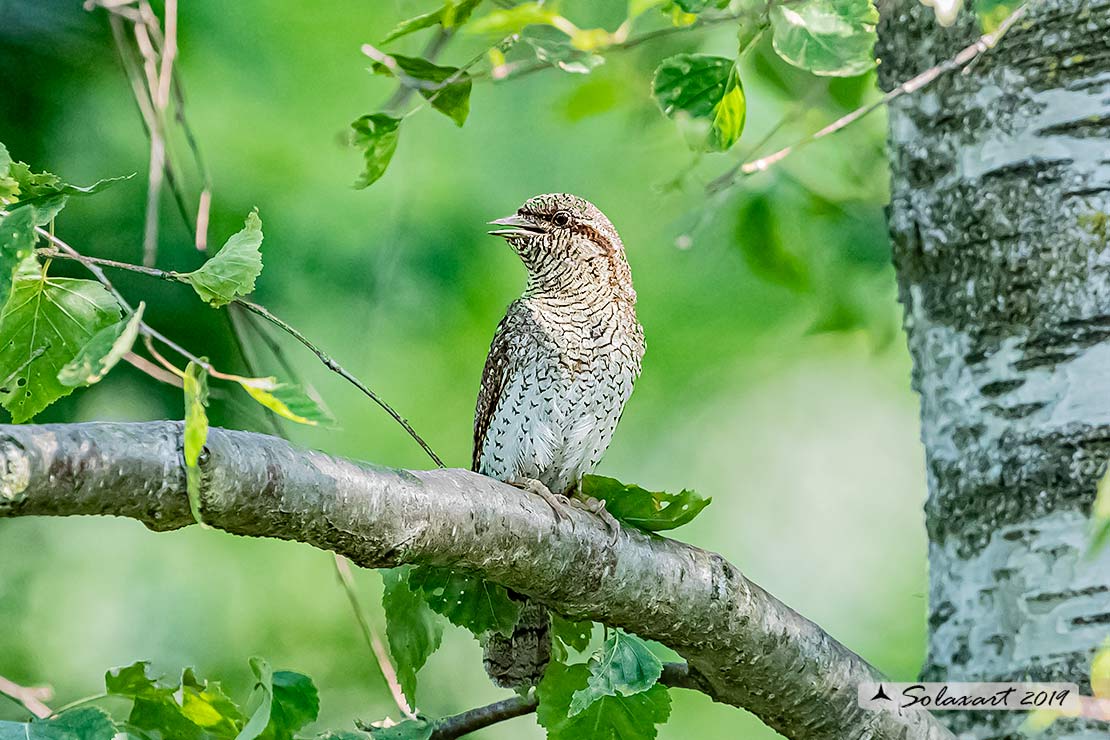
x=596 y=506
x=553 y=500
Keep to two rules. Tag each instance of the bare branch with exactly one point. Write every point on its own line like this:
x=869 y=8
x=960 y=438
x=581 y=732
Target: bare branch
x=475 y=719
x=743 y=646
x=31 y=697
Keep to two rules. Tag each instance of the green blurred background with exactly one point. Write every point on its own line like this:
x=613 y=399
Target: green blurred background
x=775 y=379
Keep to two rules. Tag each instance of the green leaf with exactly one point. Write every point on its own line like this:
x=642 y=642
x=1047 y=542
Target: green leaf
x=9 y=186
x=513 y=20
x=22 y=182
x=17 y=241
x=574 y=635
x=692 y=6
x=341 y=735
x=287 y=400
x=622 y=667
x=283 y=702
x=296 y=703
x=1100 y=516
x=552 y=48
x=232 y=272
x=154 y=706
x=749 y=31
x=206 y=705
x=637 y=8
x=43 y=325
x=130 y=681
x=195 y=384
x=465 y=599
x=761 y=243
x=410 y=729
x=44 y=188
x=706 y=88
x=414 y=631
x=451 y=15
x=609 y=718
x=106 y=348
x=83 y=723
x=826 y=37
x=414 y=24
x=453 y=100
x=651 y=511
x=729 y=114
x=376 y=135
x=262 y=699
x=991 y=13
x=45 y=191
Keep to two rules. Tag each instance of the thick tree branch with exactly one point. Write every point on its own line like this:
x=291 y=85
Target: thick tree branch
x=744 y=647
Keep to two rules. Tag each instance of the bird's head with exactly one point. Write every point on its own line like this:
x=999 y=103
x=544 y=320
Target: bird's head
x=567 y=245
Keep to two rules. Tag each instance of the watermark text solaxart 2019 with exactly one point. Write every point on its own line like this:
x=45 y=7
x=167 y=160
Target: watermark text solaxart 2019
x=968 y=696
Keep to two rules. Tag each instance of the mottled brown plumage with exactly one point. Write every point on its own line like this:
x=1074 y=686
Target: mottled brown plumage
x=560 y=369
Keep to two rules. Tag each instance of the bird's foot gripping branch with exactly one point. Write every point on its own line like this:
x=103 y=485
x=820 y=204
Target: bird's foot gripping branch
x=741 y=645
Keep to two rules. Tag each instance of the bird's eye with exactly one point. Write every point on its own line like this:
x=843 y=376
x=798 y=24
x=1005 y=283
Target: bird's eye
x=561 y=219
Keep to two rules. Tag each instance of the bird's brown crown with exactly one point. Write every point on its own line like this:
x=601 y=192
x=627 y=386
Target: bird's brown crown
x=568 y=246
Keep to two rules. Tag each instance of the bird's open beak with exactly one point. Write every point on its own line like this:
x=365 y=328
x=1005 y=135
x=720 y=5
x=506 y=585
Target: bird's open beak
x=516 y=224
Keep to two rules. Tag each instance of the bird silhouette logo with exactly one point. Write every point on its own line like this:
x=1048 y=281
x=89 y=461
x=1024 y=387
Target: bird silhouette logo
x=880 y=694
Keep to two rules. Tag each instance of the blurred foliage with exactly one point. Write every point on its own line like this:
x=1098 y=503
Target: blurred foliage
x=808 y=443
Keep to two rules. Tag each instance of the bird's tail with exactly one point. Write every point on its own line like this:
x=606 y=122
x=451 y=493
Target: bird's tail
x=517 y=661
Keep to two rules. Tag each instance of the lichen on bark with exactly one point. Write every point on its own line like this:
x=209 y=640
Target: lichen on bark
x=1000 y=179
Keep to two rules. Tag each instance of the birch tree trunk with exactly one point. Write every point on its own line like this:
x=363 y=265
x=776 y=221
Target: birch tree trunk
x=1000 y=196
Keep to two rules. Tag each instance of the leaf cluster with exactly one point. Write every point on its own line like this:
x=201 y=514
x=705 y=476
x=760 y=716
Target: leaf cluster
x=59 y=334
x=281 y=705
x=703 y=92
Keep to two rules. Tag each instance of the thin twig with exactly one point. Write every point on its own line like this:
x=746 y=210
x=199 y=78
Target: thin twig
x=169 y=52
x=521 y=69
x=156 y=129
x=435 y=46
x=984 y=43
x=31 y=697
x=475 y=719
x=203 y=208
x=335 y=367
x=236 y=320
x=347 y=581
x=675 y=676
x=265 y=313
x=143 y=364
x=135 y=78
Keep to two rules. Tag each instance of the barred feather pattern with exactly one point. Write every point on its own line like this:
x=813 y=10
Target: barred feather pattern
x=560 y=369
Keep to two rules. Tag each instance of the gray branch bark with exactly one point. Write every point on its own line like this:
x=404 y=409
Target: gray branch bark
x=744 y=647
x=999 y=218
